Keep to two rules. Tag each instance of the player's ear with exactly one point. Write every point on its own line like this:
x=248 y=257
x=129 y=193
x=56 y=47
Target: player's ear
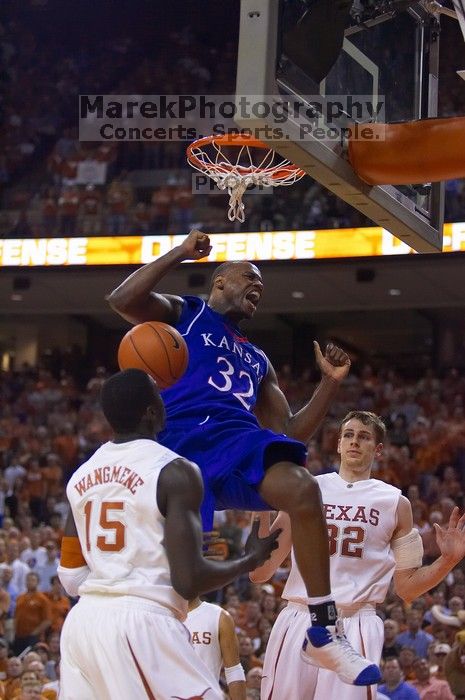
x=219 y=282
x=339 y=446
x=379 y=450
x=151 y=411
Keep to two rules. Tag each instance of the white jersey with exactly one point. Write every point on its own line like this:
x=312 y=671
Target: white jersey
x=203 y=624
x=113 y=497
x=361 y=519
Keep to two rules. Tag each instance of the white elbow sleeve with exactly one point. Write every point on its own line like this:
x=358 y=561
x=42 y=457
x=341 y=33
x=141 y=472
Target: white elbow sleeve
x=71 y=579
x=234 y=673
x=408 y=550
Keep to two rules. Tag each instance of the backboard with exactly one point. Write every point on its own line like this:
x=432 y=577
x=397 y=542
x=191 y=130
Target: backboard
x=387 y=71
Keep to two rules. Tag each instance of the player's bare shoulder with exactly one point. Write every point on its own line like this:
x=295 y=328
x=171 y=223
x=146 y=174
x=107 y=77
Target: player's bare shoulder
x=179 y=480
x=183 y=471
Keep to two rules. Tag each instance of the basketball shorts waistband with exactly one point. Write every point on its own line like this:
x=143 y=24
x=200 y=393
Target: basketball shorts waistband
x=125 y=601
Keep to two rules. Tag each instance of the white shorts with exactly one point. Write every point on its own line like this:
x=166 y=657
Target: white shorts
x=285 y=675
x=125 y=648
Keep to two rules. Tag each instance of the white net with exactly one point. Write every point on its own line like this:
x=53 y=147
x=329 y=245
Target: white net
x=252 y=166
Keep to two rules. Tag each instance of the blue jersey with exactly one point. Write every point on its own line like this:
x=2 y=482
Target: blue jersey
x=224 y=371
x=210 y=417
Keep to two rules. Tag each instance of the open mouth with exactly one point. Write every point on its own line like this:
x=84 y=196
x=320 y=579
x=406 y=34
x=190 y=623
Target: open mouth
x=253 y=297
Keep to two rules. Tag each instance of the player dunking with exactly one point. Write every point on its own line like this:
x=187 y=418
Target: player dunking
x=372 y=539
x=133 y=551
x=228 y=414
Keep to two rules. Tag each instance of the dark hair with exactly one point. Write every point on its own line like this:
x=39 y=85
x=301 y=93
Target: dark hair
x=419 y=660
x=391 y=658
x=125 y=398
x=367 y=418
x=407 y=647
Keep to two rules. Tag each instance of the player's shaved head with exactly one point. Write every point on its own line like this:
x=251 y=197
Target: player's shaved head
x=227 y=266
x=125 y=398
x=222 y=270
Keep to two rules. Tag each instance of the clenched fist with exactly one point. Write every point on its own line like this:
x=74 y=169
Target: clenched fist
x=196 y=246
x=335 y=363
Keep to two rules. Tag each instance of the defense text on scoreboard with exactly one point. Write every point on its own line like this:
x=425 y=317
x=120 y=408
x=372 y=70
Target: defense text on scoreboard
x=273 y=245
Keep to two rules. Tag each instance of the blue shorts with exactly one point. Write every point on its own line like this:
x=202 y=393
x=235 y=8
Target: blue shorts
x=233 y=457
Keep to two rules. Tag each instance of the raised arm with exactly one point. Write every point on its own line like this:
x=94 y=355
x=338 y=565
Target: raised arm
x=282 y=522
x=273 y=411
x=135 y=298
x=410 y=583
x=179 y=495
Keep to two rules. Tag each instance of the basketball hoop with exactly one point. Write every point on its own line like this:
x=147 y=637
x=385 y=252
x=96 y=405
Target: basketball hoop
x=248 y=166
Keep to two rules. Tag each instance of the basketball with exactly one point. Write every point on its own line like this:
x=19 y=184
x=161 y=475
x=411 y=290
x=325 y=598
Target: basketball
x=158 y=349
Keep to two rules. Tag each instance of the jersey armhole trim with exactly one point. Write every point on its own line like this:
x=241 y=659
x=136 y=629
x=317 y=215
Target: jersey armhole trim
x=194 y=320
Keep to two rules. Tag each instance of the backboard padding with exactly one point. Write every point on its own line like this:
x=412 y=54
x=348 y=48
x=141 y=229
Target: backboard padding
x=260 y=76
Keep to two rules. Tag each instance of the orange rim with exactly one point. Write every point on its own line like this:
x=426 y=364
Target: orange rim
x=279 y=172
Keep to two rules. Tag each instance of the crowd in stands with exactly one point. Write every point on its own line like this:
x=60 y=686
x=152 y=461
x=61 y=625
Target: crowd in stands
x=50 y=422
x=44 y=195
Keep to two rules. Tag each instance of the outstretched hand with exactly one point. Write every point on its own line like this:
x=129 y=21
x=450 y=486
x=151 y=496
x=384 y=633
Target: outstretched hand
x=260 y=547
x=451 y=539
x=196 y=245
x=335 y=363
